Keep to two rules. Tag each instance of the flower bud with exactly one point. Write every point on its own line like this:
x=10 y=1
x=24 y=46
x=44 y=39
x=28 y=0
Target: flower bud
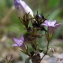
x=22 y=8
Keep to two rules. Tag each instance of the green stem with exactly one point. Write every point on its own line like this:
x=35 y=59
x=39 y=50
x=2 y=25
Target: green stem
x=47 y=46
x=34 y=34
x=46 y=50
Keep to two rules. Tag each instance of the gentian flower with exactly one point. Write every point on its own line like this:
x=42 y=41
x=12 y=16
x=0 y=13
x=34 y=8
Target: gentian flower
x=18 y=42
x=50 y=24
x=22 y=8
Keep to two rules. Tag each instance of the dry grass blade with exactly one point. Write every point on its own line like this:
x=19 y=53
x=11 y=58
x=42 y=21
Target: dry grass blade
x=4 y=19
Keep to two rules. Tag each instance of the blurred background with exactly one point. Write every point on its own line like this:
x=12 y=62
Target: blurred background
x=11 y=26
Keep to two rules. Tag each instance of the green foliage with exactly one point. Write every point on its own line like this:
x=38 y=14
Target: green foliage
x=52 y=3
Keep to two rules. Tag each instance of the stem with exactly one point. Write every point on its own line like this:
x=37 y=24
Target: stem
x=34 y=34
x=47 y=46
x=46 y=50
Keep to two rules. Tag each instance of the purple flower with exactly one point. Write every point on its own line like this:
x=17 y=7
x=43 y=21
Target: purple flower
x=50 y=29
x=22 y=8
x=18 y=42
x=50 y=24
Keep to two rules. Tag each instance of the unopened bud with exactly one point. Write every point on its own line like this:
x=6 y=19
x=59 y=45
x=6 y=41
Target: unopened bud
x=22 y=8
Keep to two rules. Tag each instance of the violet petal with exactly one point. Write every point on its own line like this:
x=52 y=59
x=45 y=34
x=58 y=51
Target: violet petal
x=16 y=40
x=44 y=24
x=53 y=22
x=14 y=45
x=22 y=38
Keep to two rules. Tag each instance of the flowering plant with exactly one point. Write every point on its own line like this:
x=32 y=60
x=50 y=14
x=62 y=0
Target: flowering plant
x=38 y=24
